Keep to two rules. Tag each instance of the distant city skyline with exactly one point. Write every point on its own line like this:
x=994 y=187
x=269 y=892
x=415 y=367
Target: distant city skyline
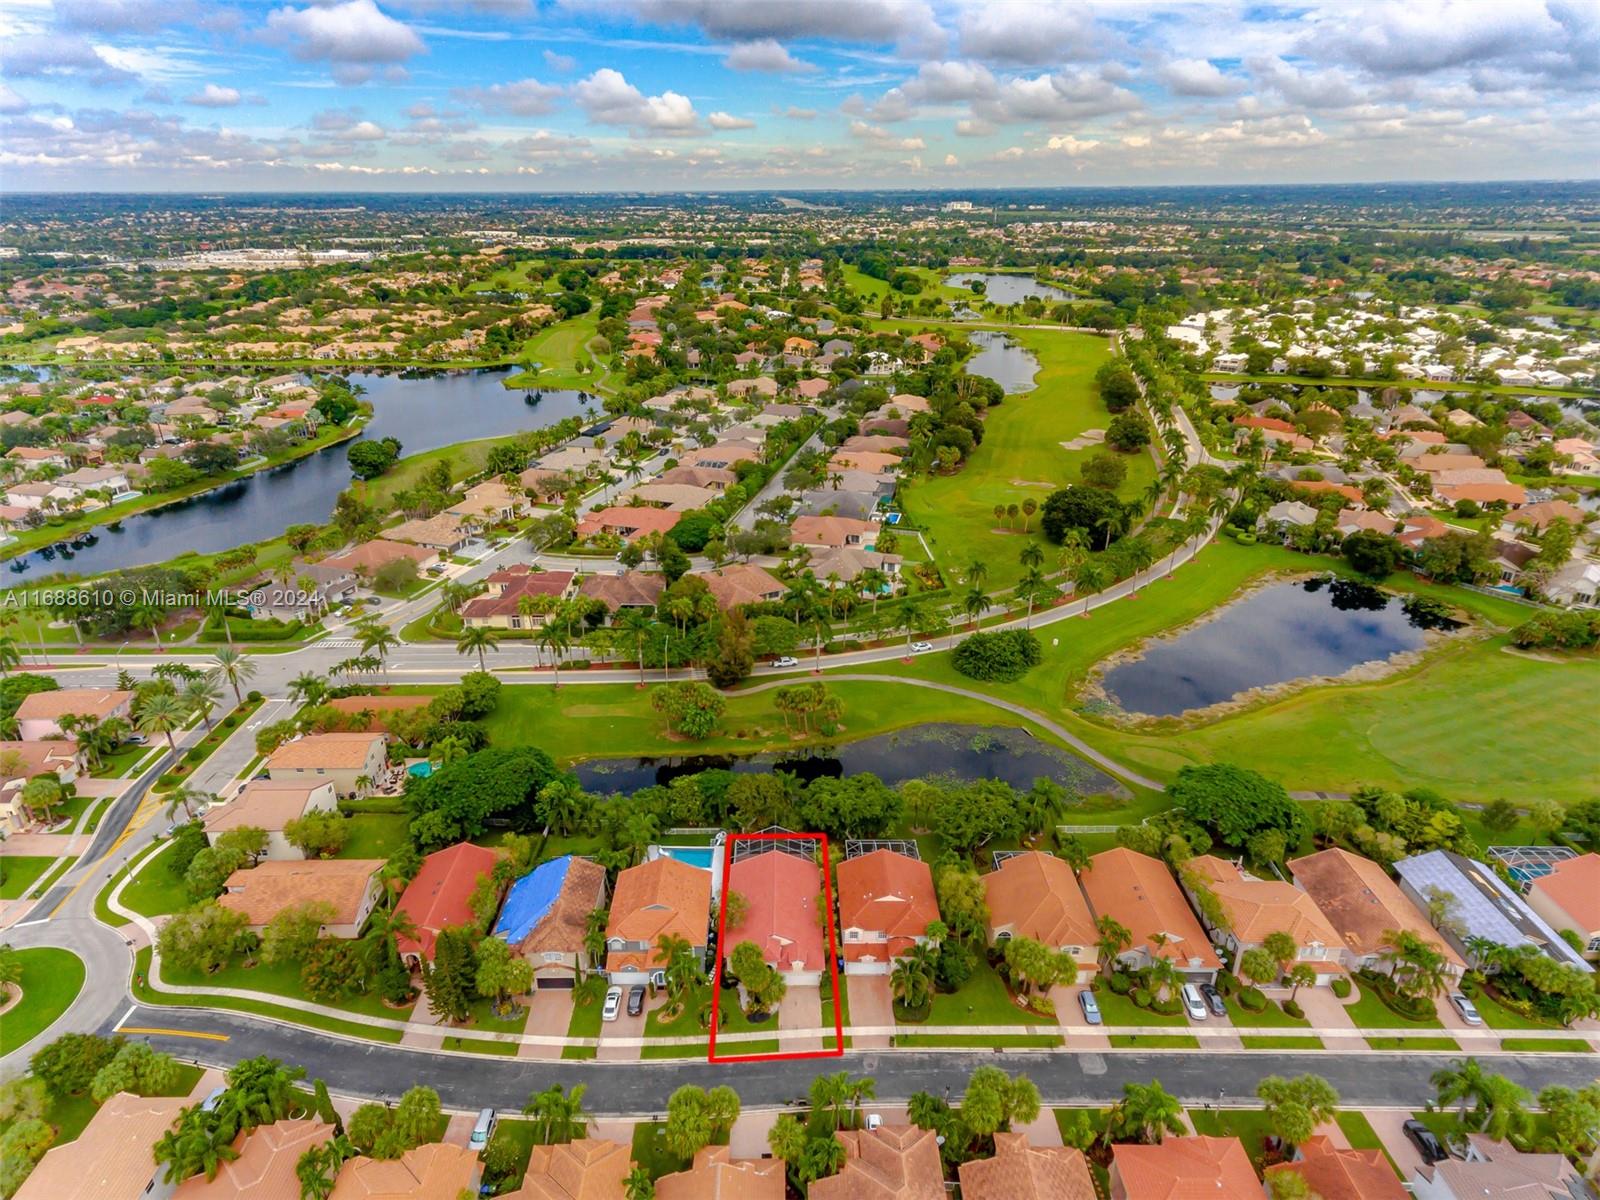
x=704 y=95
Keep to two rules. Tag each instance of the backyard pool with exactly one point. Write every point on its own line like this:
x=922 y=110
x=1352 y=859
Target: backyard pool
x=703 y=857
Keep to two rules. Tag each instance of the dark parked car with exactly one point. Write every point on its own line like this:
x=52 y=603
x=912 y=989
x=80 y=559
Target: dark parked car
x=1427 y=1145
x=1213 y=999
x=636 y=1000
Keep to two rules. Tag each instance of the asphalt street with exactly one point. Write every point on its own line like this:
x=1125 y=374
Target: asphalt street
x=467 y=1081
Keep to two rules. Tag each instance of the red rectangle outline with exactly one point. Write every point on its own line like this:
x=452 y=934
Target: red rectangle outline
x=833 y=954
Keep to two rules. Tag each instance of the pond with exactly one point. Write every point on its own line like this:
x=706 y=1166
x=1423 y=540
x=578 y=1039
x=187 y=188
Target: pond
x=1009 y=289
x=425 y=411
x=962 y=752
x=1285 y=631
x=1002 y=360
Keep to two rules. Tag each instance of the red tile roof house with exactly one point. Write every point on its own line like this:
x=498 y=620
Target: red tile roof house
x=1184 y=1168
x=1569 y=898
x=832 y=531
x=1140 y=894
x=662 y=896
x=740 y=584
x=781 y=915
x=886 y=902
x=500 y=607
x=39 y=715
x=1035 y=895
x=629 y=524
x=1256 y=908
x=439 y=897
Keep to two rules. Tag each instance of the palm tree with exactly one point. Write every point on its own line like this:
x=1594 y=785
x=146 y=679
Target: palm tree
x=1030 y=588
x=554 y=639
x=187 y=799
x=638 y=1185
x=232 y=665
x=594 y=935
x=636 y=623
x=150 y=615
x=1146 y=1113
x=318 y=1168
x=975 y=602
x=1463 y=1081
x=376 y=639
x=1032 y=556
x=162 y=712
x=10 y=656
x=977 y=572
x=475 y=639
x=307 y=688
x=1114 y=938
x=201 y=696
x=1089 y=577
x=557 y=1116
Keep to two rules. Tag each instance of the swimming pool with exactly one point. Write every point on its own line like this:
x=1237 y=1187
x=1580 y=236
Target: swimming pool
x=703 y=857
x=421 y=770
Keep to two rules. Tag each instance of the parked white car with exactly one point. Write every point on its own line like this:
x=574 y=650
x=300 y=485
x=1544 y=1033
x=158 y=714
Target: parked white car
x=613 y=1005
x=1467 y=1009
x=788 y=660
x=921 y=647
x=1194 y=1003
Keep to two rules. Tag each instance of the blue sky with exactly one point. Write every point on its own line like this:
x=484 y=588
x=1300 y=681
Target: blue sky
x=574 y=95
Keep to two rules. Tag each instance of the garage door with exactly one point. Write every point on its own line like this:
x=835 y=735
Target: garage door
x=565 y=982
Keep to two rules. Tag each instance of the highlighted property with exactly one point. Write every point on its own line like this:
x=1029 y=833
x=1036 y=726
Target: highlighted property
x=782 y=928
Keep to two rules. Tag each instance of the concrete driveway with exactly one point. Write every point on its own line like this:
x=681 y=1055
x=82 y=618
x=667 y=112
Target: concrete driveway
x=1386 y=1122
x=549 y=1015
x=1069 y=1015
x=1325 y=1010
x=870 y=1004
x=801 y=1008
x=625 y=1027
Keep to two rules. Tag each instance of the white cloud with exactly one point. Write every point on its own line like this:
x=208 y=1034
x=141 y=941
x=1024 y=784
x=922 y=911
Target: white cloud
x=907 y=22
x=39 y=56
x=795 y=113
x=609 y=99
x=1069 y=95
x=519 y=98
x=722 y=120
x=767 y=56
x=1198 y=77
x=880 y=136
x=213 y=96
x=105 y=17
x=562 y=63
x=353 y=35
x=10 y=100
x=945 y=81
x=1031 y=33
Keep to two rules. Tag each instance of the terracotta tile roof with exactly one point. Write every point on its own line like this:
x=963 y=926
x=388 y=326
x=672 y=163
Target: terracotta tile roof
x=634 y=589
x=436 y=1171
x=832 y=531
x=1575 y=886
x=439 y=532
x=110 y=1159
x=562 y=927
x=1336 y=1174
x=1186 y=1168
x=588 y=1169
x=781 y=893
x=36 y=758
x=654 y=898
x=377 y=705
x=742 y=583
x=888 y=893
x=1362 y=902
x=263 y=804
x=263 y=891
x=513 y=585
x=628 y=523
x=1140 y=894
x=1258 y=907
x=1036 y=895
x=373 y=556
x=717 y=1175
x=265 y=1168
x=438 y=896
x=330 y=751
x=1019 y=1171
x=892 y=1162
x=77 y=702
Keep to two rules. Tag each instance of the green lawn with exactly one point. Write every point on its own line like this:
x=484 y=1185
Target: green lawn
x=652 y=1154
x=1412 y=1043
x=1021 y=450
x=1497 y=1016
x=1368 y=1011
x=1358 y=1131
x=982 y=1000
x=19 y=872
x=971 y=1040
x=558 y=349
x=51 y=980
x=1281 y=1043
x=281 y=979
x=1271 y=1017
x=585 y=1023
x=519 y=1135
x=376 y=835
x=1548 y=1045
x=155 y=891
x=1119 y=1010
x=616 y=719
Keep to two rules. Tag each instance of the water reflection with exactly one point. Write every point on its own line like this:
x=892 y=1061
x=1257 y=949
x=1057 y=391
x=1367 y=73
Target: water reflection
x=1314 y=627
x=1010 y=289
x=1002 y=360
x=961 y=752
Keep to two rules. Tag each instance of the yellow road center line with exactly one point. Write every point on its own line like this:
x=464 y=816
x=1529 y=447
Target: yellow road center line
x=188 y=1033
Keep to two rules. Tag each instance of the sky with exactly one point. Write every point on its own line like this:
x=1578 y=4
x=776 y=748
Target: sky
x=705 y=95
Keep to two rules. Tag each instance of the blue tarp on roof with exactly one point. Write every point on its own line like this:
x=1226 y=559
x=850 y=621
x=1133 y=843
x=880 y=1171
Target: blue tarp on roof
x=530 y=898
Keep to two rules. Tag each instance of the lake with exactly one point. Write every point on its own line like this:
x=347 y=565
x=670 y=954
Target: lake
x=956 y=751
x=1285 y=631
x=1002 y=360
x=1010 y=289
x=425 y=411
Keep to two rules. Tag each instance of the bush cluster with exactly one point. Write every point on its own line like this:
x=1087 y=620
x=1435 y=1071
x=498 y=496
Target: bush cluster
x=1002 y=657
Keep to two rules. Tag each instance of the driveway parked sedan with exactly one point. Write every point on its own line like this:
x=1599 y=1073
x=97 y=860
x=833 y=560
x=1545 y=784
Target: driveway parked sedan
x=613 y=1005
x=1214 y=1000
x=1427 y=1145
x=1091 y=1007
x=1467 y=1009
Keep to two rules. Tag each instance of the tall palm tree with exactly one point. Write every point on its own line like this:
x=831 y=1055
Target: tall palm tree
x=558 y=1116
x=1146 y=1113
x=162 y=712
x=636 y=623
x=376 y=639
x=977 y=572
x=201 y=696
x=475 y=639
x=10 y=655
x=232 y=665
x=150 y=615
x=554 y=640
x=974 y=603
